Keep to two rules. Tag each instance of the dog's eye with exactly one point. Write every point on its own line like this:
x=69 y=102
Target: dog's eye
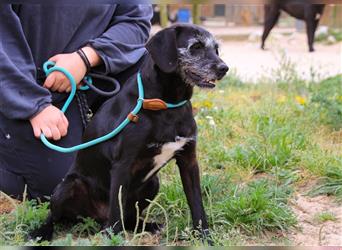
x=197 y=46
x=217 y=50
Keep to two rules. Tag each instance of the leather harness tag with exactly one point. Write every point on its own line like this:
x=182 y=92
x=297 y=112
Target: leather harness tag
x=154 y=104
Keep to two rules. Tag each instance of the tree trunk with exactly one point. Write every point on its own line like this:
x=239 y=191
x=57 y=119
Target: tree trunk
x=163 y=15
x=196 y=13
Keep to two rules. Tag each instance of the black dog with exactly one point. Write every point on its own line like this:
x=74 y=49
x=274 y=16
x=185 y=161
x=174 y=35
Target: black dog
x=180 y=57
x=310 y=13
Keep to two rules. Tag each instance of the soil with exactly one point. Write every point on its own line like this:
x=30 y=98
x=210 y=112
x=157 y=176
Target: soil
x=5 y=205
x=312 y=232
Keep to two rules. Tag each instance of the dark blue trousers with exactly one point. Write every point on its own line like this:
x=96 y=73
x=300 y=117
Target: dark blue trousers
x=24 y=160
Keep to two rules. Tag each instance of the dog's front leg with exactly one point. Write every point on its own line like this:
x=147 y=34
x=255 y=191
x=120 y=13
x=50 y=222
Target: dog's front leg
x=189 y=171
x=45 y=231
x=119 y=178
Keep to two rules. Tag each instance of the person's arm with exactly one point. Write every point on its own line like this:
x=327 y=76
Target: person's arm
x=20 y=96
x=123 y=44
x=118 y=48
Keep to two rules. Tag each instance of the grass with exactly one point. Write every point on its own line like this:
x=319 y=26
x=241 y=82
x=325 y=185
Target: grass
x=257 y=144
x=335 y=34
x=324 y=217
x=26 y=217
x=330 y=183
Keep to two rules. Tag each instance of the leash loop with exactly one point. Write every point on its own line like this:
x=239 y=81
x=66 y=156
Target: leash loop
x=88 y=80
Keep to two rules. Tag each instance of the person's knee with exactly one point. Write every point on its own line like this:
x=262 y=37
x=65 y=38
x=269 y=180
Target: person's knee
x=11 y=184
x=43 y=184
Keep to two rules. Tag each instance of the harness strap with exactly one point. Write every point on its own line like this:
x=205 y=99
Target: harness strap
x=154 y=104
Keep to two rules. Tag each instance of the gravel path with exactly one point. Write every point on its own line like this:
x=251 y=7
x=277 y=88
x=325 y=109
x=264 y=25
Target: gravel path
x=251 y=62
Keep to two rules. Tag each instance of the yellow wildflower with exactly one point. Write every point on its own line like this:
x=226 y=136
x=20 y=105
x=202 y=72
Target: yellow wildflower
x=207 y=104
x=301 y=100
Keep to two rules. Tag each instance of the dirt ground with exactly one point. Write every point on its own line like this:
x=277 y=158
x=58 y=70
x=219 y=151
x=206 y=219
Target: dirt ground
x=5 y=205
x=312 y=232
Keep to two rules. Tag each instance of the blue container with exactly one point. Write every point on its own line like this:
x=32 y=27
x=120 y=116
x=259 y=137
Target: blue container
x=183 y=15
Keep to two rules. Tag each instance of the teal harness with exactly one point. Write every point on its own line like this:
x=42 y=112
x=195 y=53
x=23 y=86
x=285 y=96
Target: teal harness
x=149 y=104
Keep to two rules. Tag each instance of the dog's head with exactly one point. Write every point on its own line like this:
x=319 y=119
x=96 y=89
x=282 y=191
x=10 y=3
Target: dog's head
x=189 y=51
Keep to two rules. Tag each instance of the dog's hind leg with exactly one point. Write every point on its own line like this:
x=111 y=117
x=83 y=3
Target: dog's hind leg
x=189 y=171
x=311 y=26
x=148 y=191
x=69 y=200
x=272 y=13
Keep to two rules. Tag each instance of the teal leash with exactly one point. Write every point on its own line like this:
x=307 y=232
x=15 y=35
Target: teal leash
x=50 y=67
x=172 y=106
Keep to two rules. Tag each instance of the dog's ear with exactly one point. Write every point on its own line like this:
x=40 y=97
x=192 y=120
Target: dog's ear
x=163 y=50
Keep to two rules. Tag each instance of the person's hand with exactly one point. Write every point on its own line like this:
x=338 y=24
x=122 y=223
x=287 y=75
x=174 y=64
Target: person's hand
x=51 y=122
x=72 y=62
x=57 y=81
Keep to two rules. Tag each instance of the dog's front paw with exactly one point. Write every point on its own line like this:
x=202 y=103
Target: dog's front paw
x=154 y=227
x=110 y=229
x=43 y=233
x=206 y=237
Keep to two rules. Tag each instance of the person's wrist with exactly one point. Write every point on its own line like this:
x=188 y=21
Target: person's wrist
x=81 y=63
x=41 y=108
x=84 y=59
x=92 y=56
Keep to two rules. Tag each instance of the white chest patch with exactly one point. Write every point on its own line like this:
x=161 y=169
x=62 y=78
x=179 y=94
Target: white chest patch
x=318 y=16
x=168 y=150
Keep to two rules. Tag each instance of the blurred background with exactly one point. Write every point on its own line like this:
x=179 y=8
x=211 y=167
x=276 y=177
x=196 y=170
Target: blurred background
x=239 y=28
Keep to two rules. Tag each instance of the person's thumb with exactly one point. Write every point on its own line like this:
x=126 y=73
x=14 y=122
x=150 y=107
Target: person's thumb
x=54 y=58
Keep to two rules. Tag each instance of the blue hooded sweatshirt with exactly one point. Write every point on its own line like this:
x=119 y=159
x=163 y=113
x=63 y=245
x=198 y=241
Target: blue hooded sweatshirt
x=32 y=33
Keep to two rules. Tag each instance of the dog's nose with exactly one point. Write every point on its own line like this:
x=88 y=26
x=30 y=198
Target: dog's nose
x=222 y=68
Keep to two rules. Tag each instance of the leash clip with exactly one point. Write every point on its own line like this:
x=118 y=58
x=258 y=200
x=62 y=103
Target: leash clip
x=89 y=115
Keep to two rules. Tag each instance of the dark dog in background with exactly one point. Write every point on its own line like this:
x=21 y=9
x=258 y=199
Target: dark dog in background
x=180 y=58
x=310 y=13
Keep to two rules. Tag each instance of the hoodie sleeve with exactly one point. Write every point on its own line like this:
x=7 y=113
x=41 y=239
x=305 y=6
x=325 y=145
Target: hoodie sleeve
x=21 y=97
x=123 y=44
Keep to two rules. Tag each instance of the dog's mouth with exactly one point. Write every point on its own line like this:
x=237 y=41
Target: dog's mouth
x=201 y=82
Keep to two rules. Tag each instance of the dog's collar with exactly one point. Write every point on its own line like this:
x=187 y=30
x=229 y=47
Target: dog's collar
x=154 y=104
